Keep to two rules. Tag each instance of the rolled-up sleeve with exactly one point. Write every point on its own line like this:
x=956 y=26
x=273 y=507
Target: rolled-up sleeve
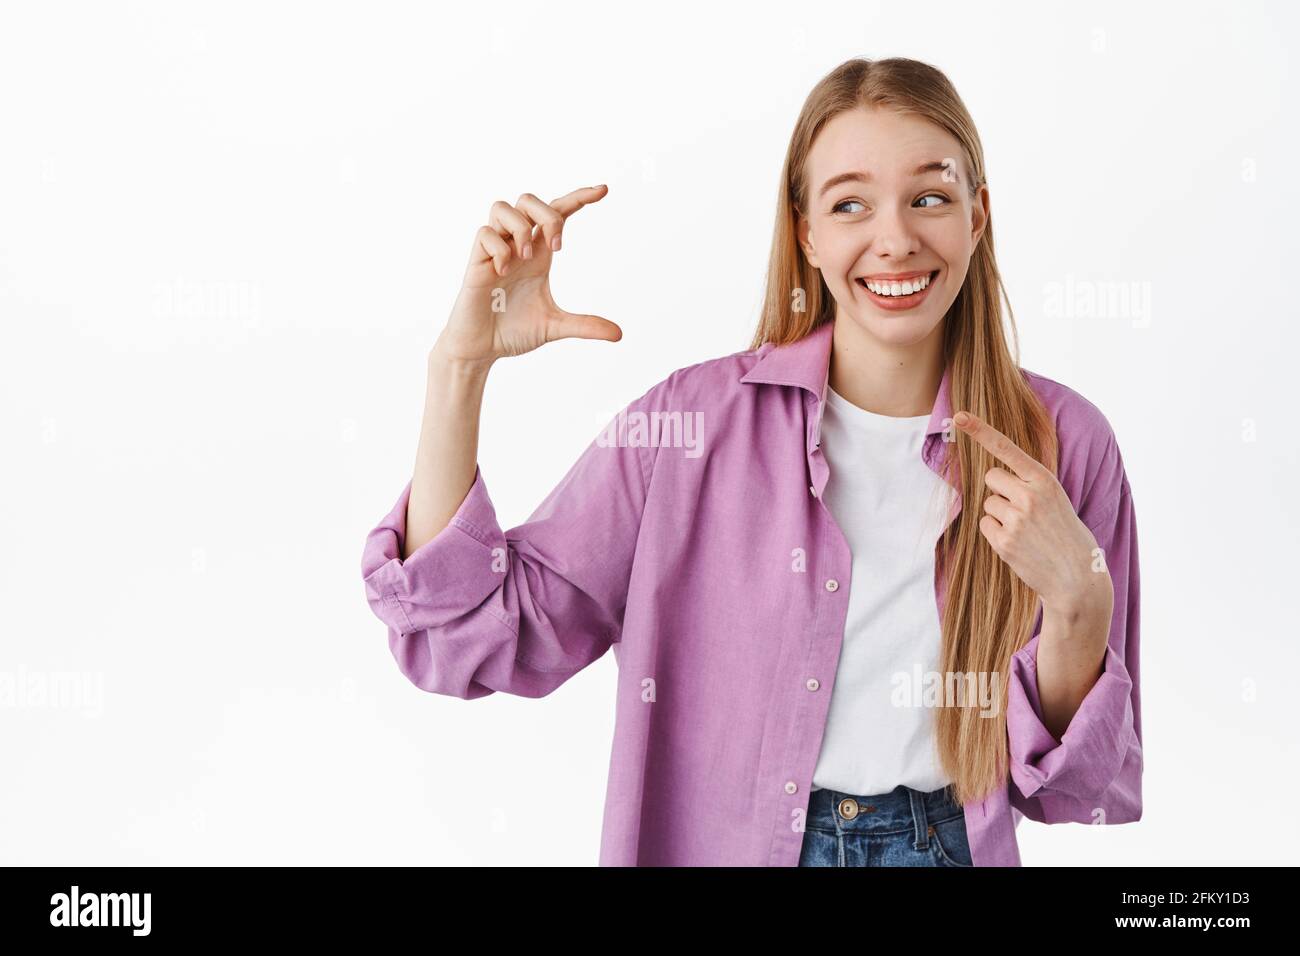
x=1093 y=773
x=476 y=609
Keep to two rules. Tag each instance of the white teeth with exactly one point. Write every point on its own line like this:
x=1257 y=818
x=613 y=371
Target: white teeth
x=897 y=288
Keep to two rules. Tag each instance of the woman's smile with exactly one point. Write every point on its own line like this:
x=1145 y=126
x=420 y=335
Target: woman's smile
x=898 y=295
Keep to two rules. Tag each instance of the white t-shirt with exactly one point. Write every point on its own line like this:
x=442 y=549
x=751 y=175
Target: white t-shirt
x=891 y=508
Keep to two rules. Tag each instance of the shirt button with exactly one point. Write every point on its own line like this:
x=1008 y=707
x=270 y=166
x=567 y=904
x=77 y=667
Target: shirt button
x=812 y=491
x=832 y=584
x=791 y=786
x=813 y=683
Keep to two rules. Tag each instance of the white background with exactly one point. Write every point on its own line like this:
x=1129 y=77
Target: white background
x=229 y=234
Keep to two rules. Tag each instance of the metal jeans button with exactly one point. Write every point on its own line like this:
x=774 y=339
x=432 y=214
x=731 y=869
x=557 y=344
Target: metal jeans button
x=850 y=808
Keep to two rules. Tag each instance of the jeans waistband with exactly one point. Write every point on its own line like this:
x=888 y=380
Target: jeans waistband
x=900 y=809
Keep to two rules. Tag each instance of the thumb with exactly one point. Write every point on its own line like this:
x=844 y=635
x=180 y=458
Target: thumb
x=570 y=325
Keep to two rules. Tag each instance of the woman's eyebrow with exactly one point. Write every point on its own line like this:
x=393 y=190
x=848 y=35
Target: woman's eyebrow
x=862 y=176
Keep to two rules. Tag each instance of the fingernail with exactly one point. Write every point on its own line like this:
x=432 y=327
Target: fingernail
x=555 y=244
x=962 y=418
x=528 y=250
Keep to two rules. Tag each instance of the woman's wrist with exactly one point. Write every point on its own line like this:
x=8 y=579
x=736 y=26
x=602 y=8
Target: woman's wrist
x=455 y=369
x=1085 y=611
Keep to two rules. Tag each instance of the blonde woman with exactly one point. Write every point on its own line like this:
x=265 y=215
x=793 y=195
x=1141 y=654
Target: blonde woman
x=872 y=588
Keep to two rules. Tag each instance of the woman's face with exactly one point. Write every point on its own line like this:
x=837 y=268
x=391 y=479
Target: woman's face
x=888 y=197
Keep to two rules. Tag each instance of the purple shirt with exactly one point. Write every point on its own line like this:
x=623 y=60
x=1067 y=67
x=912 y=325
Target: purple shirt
x=701 y=551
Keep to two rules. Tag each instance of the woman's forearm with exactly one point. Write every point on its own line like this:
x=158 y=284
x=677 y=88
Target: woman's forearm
x=1071 y=656
x=447 y=455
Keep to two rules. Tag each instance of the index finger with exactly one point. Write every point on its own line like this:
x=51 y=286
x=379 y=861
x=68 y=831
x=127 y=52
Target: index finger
x=1002 y=447
x=570 y=203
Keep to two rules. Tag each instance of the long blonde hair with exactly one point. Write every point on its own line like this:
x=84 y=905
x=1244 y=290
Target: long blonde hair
x=988 y=612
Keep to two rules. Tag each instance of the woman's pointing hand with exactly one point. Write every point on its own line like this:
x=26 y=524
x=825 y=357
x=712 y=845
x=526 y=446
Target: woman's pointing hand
x=1031 y=524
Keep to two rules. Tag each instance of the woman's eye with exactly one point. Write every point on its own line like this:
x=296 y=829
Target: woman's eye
x=839 y=206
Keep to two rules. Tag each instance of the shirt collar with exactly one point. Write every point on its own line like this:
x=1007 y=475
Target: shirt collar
x=806 y=362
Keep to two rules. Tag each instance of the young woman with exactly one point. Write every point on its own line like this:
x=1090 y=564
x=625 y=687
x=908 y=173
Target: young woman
x=871 y=587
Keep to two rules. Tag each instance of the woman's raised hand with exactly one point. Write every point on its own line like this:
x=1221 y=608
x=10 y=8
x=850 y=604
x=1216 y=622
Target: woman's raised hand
x=505 y=307
x=1031 y=524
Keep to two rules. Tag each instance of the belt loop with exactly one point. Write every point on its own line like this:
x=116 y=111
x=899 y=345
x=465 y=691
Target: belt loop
x=919 y=822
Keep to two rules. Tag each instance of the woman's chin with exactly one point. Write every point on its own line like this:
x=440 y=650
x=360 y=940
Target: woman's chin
x=900 y=331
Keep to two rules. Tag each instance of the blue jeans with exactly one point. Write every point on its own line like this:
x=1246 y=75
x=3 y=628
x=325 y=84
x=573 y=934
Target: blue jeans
x=904 y=827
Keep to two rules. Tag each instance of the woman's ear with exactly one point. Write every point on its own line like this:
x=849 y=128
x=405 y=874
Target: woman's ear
x=803 y=232
x=979 y=214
